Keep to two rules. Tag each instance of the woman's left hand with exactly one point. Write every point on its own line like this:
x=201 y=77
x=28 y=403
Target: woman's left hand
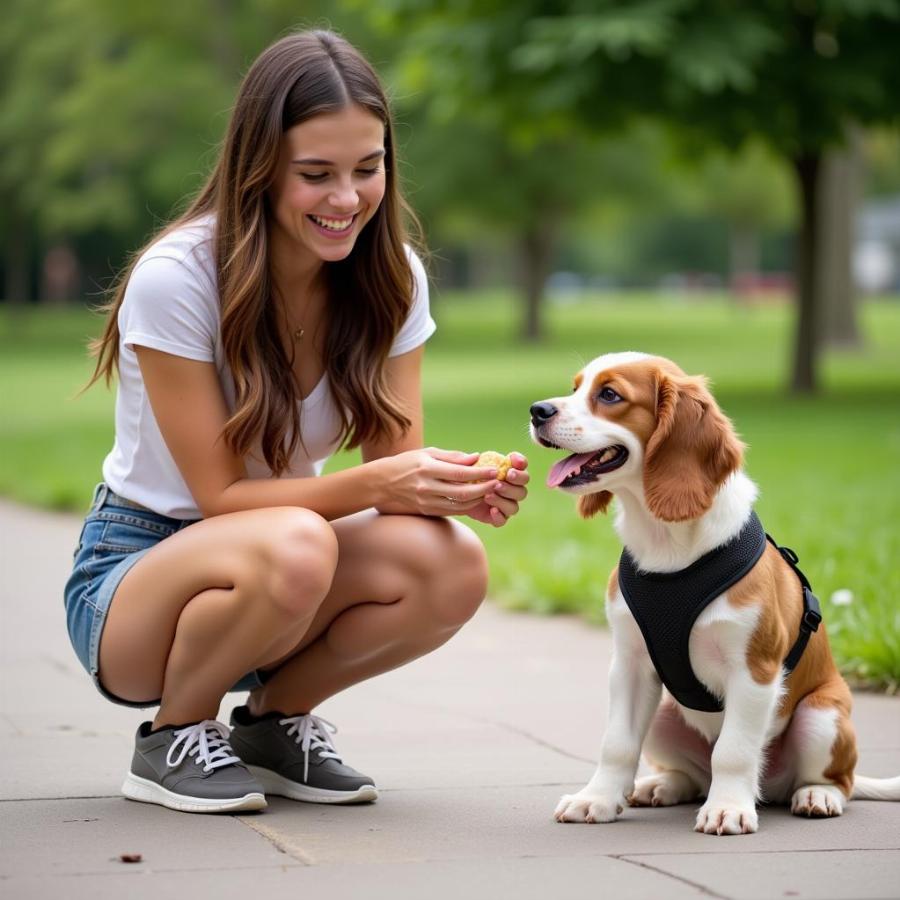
x=503 y=501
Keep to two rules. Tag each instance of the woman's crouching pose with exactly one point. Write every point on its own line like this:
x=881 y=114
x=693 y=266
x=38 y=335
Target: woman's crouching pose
x=282 y=316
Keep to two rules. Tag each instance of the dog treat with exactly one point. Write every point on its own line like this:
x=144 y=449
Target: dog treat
x=492 y=458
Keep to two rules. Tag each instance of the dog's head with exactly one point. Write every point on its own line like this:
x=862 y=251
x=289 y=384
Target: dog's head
x=638 y=421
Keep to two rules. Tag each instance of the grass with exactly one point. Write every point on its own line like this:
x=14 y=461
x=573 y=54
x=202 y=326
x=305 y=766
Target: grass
x=827 y=466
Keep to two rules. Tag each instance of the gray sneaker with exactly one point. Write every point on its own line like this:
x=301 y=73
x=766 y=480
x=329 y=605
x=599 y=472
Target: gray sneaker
x=293 y=756
x=191 y=769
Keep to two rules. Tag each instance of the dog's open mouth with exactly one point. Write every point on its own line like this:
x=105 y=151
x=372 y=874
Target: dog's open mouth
x=583 y=468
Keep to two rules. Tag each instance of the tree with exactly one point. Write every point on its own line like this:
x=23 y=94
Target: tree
x=840 y=189
x=518 y=184
x=35 y=68
x=795 y=75
x=110 y=114
x=750 y=191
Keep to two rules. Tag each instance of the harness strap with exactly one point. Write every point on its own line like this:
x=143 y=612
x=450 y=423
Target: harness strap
x=812 y=612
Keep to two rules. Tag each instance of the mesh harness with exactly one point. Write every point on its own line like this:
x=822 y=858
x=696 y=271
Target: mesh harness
x=666 y=604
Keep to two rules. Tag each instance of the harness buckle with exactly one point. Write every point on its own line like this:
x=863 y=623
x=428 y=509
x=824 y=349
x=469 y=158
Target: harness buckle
x=811 y=620
x=812 y=615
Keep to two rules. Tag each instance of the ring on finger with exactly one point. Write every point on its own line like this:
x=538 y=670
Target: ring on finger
x=451 y=500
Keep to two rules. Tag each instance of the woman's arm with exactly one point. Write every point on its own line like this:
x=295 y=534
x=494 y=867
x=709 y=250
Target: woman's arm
x=462 y=490
x=189 y=408
x=486 y=501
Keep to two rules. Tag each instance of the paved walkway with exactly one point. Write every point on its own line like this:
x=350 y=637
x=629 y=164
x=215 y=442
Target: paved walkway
x=471 y=747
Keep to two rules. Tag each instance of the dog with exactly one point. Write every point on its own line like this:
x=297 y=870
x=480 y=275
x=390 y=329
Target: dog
x=639 y=428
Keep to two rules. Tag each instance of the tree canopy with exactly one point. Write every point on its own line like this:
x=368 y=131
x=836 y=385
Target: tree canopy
x=795 y=74
x=527 y=119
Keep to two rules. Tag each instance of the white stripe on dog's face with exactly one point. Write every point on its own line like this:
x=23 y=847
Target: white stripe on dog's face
x=608 y=360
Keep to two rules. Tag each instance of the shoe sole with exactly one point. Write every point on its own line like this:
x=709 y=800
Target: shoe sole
x=145 y=791
x=273 y=783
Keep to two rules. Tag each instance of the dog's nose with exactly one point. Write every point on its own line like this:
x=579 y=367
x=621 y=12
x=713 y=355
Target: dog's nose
x=542 y=412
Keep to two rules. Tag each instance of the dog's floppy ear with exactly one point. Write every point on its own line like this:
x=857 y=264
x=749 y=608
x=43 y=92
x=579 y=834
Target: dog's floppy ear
x=590 y=504
x=690 y=453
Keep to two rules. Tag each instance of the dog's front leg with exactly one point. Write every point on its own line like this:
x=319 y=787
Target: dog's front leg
x=634 y=691
x=730 y=807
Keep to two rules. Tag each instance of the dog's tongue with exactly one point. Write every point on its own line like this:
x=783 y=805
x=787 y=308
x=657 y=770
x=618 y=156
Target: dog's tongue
x=565 y=467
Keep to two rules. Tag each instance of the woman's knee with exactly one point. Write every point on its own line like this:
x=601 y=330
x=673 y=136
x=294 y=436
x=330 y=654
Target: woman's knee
x=297 y=560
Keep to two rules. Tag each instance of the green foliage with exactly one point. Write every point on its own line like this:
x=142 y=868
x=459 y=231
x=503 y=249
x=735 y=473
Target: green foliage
x=796 y=76
x=511 y=114
x=793 y=73
x=827 y=467
x=111 y=112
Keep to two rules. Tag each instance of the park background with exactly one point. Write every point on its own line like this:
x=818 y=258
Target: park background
x=715 y=182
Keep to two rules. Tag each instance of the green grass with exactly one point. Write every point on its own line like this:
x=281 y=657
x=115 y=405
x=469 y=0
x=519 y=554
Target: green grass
x=827 y=467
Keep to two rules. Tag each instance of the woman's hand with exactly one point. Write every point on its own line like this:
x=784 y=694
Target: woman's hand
x=433 y=482
x=503 y=500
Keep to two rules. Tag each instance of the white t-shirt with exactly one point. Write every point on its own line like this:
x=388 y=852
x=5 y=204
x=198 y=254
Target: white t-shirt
x=171 y=303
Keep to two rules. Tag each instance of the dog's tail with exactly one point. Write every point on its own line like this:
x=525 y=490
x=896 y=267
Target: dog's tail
x=865 y=788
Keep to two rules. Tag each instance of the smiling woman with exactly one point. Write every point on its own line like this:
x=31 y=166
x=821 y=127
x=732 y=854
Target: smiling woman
x=329 y=185
x=282 y=316
x=332 y=183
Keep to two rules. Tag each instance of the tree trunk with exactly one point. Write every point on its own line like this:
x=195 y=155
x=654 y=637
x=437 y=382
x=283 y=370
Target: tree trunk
x=18 y=270
x=839 y=189
x=808 y=327
x=60 y=274
x=536 y=249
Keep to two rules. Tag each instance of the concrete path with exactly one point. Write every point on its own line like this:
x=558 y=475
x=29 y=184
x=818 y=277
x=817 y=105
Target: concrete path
x=471 y=748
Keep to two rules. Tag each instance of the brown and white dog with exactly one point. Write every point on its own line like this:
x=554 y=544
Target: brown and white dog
x=640 y=429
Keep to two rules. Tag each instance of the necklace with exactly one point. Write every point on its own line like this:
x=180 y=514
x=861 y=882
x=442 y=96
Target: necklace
x=296 y=331
x=314 y=297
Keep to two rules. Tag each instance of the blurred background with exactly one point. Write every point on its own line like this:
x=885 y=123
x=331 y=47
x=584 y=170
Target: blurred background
x=712 y=181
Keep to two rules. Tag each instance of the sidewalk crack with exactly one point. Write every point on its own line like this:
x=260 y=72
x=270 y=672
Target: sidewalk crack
x=11 y=724
x=481 y=720
x=696 y=885
x=279 y=842
x=540 y=741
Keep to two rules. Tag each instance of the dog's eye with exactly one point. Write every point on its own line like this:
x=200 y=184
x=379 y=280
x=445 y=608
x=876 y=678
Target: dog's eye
x=608 y=395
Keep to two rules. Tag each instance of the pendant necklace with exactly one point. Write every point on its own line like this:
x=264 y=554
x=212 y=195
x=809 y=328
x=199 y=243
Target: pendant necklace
x=296 y=332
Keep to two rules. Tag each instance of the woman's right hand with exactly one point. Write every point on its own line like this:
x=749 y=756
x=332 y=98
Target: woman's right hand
x=432 y=482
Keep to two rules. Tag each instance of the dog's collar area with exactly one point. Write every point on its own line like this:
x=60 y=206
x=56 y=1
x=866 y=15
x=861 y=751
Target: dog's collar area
x=666 y=605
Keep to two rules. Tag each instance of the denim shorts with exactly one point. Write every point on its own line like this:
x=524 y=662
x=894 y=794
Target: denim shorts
x=115 y=535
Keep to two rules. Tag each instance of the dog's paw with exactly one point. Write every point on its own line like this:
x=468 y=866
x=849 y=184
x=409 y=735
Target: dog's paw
x=817 y=801
x=587 y=806
x=663 y=789
x=731 y=818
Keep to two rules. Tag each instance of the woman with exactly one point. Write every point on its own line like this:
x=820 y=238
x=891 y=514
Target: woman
x=281 y=316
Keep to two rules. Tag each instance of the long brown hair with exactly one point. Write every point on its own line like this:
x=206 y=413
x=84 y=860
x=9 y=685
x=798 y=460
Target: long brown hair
x=370 y=292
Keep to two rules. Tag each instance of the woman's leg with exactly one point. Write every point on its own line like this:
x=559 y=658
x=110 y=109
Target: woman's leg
x=403 y=586
x=212 y=602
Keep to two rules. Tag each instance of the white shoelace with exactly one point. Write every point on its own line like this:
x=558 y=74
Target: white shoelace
x=207 y=741
x=312 y=733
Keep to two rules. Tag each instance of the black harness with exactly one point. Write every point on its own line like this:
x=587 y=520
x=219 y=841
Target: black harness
x=666 y=604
